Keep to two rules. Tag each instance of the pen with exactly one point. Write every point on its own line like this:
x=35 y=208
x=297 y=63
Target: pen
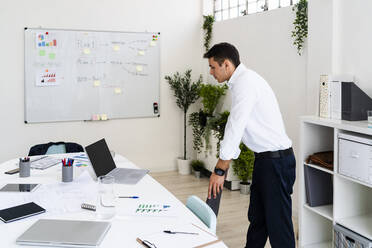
x=144 y=243
x=171 y=232
x=132 y=197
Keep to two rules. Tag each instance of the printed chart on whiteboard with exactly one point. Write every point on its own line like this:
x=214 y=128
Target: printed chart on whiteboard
x=75 y=75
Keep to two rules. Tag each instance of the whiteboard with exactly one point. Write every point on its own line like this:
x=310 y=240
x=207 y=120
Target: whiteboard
x=87 y=75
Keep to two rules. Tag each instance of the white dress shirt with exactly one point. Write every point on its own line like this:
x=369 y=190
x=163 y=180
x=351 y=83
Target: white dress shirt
x=255 y=117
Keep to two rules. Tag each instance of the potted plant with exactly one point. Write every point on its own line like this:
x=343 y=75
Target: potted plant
x=186 y=93
x=210 y=95
x=243 y=168
x=197 y=166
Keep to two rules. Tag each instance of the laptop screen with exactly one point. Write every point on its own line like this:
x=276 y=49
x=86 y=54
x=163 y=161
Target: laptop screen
x=100 y=157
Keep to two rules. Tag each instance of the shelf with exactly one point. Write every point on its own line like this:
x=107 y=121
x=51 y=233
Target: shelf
x=320 y=245
x=326 y=211
x=354 y=180
x=361 y=224
x=319 y=168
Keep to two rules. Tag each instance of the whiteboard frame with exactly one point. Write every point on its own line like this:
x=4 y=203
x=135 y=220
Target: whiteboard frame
x=86 y=30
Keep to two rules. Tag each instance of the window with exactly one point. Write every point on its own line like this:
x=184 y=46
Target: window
x=227 y=9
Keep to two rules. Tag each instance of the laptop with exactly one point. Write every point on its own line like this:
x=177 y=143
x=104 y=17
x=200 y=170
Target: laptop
x=65 y=233
x=103 y=164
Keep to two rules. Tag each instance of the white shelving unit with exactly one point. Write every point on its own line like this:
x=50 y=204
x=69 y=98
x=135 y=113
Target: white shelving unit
x=352 y=199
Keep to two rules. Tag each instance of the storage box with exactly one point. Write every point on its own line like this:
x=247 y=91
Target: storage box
x=319 y=187
x=344 y=238
x=355 y=153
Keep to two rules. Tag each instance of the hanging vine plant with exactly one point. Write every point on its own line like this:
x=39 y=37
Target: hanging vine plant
x=300 y=25
x=207 y=27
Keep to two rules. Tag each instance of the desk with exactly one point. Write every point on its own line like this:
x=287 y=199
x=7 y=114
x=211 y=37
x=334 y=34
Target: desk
x=125 y=228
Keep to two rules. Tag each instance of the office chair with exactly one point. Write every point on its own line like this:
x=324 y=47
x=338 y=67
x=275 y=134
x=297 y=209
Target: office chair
x=203 y=212
x=53 y=148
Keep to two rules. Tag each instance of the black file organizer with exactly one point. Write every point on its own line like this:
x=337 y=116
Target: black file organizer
x=319 y=187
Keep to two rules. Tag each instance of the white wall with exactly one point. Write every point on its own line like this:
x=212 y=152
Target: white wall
x=352 y=53
x=265 y=45
x=152 y=143
x=340 y=42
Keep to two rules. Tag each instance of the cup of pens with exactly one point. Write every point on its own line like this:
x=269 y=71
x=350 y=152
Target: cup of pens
x=67 y=170
x=24 y=167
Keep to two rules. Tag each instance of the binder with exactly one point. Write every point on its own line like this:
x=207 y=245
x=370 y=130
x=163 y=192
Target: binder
x=324 y=97
x=335 y=94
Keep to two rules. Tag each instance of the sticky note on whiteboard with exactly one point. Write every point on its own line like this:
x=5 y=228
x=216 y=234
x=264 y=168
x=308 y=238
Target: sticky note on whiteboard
x=139 y=68
x=86 y=51
x=116 y=48
x=96 y=83
x=141 y=53
x=117 y=91
x=152 y=43
x=103 y=117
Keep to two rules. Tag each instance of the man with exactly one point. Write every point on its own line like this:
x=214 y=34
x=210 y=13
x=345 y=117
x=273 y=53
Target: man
x=255 y=120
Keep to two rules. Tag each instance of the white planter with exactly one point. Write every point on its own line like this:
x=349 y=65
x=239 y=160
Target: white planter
x=184 y=167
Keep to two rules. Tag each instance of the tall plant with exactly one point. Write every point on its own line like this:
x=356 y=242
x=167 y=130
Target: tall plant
x=186 y=93
x=208 y=27
x=300 y=25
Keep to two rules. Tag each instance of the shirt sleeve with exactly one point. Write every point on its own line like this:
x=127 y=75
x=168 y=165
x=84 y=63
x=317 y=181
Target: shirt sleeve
x=244 y=97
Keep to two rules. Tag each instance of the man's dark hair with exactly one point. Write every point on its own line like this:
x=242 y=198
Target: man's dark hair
x=222 y=51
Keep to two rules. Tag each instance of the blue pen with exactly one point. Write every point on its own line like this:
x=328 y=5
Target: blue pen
x=131 y=197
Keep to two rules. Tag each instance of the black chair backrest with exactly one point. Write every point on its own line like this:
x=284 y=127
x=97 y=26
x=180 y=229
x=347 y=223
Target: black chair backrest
x=41 y=149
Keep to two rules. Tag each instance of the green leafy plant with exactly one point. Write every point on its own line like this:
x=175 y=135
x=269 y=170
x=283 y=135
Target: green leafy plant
x=218 y=125
x=300 y=25
x=186 y=93
x=199 y=121
x=197 y=165
x=208 y=27
x=243 y=165
x=210 y=95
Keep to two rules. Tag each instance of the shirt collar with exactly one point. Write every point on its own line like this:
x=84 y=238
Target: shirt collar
x=236 y=73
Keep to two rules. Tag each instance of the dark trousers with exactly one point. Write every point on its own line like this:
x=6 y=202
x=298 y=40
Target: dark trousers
x=270 y=207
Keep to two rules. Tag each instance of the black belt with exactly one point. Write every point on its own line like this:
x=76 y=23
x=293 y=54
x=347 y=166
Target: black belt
x=275 y=154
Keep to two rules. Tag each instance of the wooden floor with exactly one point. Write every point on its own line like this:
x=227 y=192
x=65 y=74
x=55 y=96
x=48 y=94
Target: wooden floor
x=232 y=222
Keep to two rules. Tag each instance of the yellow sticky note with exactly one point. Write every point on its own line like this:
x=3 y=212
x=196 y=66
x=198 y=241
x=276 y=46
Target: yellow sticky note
x=103 y=117
x=152 y=43
x=139 y=68
x=116 y=48
x=117 y=91
x=96 y=83
x=141 y=53
x=86 y=51
x=42 y=53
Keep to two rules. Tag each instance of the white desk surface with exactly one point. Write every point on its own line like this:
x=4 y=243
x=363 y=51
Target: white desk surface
x=125 y=228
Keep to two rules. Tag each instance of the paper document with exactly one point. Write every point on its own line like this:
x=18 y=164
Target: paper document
x=159 y=238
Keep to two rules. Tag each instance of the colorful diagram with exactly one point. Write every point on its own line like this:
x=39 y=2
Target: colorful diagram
x=44 y=40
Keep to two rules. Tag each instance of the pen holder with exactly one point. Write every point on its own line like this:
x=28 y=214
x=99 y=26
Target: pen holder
x=67 y=173
x=24 y=168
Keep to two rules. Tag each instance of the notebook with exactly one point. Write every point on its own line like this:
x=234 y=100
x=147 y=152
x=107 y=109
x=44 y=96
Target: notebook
x=103 y=164
x=76 y=233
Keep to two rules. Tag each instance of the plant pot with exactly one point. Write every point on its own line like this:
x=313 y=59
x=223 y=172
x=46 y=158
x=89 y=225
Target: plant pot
x=197 y=174
x=184 y=167
x=245 y=188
